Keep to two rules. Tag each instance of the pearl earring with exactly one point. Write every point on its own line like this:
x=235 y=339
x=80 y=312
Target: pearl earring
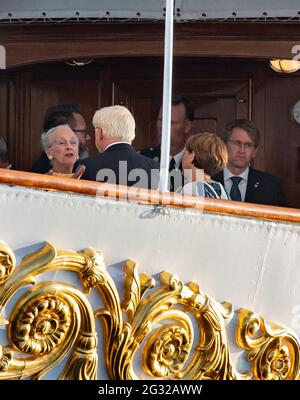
x=50 y=157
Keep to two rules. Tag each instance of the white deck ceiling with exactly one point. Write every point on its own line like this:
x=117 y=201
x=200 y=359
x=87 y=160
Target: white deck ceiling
x=142 y=9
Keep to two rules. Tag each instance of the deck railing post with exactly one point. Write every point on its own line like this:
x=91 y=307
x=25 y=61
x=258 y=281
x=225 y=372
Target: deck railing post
x=167 y=97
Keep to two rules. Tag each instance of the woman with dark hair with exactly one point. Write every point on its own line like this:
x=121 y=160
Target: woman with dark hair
x=204 y=156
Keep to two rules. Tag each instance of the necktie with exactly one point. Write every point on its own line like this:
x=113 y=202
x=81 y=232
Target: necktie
x=235 y=193
x=172 y=164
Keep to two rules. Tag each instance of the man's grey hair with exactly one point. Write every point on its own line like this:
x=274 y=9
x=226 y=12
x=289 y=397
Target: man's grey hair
x=47 y=137
x=115 y=122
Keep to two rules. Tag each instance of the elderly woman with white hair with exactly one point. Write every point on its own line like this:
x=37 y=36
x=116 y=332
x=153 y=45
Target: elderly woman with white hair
x=61 y=146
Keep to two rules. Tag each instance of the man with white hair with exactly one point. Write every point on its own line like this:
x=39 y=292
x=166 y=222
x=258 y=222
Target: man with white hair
x=117 y=161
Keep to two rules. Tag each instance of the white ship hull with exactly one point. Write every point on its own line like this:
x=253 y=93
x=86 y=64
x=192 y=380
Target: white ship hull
x=251 y=263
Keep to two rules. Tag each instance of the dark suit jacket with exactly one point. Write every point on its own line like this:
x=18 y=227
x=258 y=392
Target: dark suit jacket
x=42 y=165
x=110 y=160
x=152 y=152
x=176 y=177
x=262 y=188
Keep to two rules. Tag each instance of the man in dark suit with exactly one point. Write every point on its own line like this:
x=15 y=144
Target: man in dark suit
x=242 y=182
x=63 y=114
x=182 y=116
x=117 y=161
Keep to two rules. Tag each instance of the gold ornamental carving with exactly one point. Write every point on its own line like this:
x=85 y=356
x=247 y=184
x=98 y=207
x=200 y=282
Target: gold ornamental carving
x=272 y=349
x=174 y=330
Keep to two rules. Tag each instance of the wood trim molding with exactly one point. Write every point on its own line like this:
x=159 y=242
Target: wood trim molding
x=21 y=54
x=224 y=207
x=150 y=30
x=31 y=44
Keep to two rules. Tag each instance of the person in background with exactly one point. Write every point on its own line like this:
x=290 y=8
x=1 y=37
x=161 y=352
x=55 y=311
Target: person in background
x=61 y=145
x=182 y=116
x=242 y=182
x=4 y=160
x=205 y=154
x=60 y=114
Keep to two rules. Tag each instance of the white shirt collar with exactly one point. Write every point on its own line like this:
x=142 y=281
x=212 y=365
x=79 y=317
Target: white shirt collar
x=178 y=158
x=228 y=174
x=112 y=144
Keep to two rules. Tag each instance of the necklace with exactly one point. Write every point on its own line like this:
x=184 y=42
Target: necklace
x=51 y=172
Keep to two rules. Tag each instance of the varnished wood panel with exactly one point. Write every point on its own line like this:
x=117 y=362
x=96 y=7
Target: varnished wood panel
x=282 y=135
x=32 y=43
x=4 y=108
x=217 y=101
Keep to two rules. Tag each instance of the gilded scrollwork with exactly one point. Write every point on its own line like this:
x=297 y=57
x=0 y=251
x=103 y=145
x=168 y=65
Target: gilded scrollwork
x=93 y=270
x=39 y=325
x=167 y=351
x=6 y=356
x=7 y=262
x=175 y=330
x=273 y=350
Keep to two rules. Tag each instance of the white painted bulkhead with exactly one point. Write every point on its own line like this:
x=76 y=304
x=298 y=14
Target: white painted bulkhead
x=249 y=263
